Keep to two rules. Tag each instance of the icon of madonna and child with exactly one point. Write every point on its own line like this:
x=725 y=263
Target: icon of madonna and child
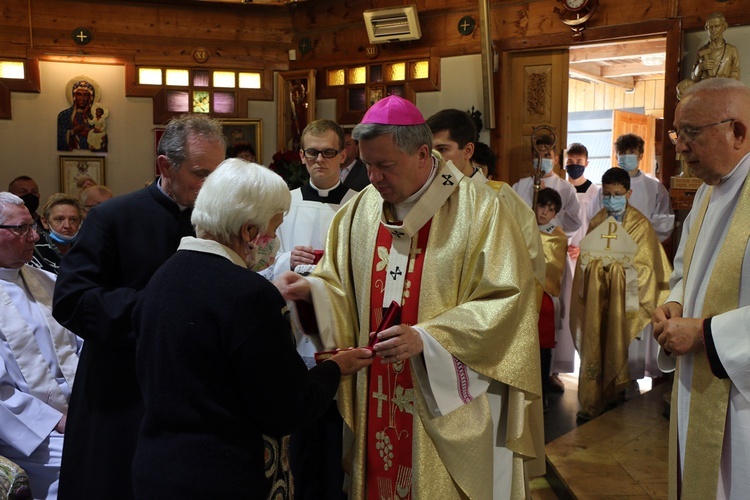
x=84 y=124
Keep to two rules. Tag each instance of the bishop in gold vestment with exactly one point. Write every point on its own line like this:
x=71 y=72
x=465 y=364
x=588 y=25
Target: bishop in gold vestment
x=462 y=271
x=467 y=296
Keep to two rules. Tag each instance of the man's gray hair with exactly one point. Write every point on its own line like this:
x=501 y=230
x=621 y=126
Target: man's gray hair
x=98 y=188
x=173 y=144
x=7 y=199
x=238 y=192
x=408 y=138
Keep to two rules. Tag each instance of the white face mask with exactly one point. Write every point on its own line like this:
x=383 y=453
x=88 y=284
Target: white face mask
x=627 y=162
x=547 y=165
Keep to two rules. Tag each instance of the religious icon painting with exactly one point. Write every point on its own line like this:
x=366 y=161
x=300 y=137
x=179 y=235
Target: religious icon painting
x=84 y=124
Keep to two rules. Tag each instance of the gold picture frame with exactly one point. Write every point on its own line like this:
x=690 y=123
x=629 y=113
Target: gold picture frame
x=249 y=131
x=75 y=169
x=295 y=95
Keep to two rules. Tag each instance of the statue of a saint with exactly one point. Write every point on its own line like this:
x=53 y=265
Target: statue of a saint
x=717 y=58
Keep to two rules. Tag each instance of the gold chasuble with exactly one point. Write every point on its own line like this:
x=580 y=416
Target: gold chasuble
x=603 y=325
x=555 y=246
x=709 y=396
x=462 y=274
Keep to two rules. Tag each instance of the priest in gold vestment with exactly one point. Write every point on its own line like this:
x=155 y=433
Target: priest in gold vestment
x=603 y=328
x=445 y=411
x=705 y=324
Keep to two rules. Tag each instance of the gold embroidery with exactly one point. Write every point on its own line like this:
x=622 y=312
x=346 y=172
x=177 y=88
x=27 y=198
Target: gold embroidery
x=380 y=396
x=382 y=259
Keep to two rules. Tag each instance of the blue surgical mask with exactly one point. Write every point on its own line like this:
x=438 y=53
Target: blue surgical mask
x=547 y=165
x=627 y=162
x=61 y=239
x=575 y=171
x=615 y=203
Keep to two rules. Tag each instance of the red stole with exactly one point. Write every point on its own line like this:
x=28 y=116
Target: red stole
x=390 y=413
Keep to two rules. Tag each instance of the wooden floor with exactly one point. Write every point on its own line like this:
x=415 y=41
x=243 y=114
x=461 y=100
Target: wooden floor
x=622 y=453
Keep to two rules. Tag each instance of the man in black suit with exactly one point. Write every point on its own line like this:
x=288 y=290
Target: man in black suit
x=354 y=174
x=122 y=244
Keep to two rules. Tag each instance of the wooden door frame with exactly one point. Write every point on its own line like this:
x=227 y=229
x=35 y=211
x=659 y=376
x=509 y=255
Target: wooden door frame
x=669 y=28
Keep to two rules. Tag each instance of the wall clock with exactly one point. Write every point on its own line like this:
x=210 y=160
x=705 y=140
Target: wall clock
x=575 y=13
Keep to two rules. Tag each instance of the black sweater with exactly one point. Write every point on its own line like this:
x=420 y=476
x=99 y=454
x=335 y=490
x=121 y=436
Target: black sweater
x=221 y=382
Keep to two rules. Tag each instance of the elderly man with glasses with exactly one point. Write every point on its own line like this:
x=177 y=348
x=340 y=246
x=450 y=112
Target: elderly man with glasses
x=38 y=357
x=703 y=328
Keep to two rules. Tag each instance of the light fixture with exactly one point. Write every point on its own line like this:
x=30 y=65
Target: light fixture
x=652 y=59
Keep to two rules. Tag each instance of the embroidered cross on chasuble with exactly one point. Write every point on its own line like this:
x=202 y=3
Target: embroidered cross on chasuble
x=396 y=275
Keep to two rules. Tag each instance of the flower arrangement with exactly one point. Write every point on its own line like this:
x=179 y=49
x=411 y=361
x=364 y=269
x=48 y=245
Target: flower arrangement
x=289 y=166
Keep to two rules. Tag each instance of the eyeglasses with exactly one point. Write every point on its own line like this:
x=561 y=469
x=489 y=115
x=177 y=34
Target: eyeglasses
x=20 y=229
x=311 y=153
x=689 y=134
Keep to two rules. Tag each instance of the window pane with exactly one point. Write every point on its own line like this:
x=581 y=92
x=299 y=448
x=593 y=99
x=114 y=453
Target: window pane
x=178 y=77
x=201 y=102
x=149 y=76
x=357 y=75
x=376 y=73
x=224 y=102
x=335 y=77
x=225 y=79
x=395 y=90
x=200 y=78
x=420 y=70
x=395 y=72
x=250 y=81
x=12 y=69
x=178 y=101
x=357 y=100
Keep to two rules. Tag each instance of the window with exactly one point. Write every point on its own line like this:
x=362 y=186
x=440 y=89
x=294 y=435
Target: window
x=199 y=90
x=13 y=70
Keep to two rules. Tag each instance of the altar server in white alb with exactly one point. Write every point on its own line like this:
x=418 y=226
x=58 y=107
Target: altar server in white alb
x=705 y=324
x=38 y=357
x=649 y=197
x=569 y=216
x=315 y=451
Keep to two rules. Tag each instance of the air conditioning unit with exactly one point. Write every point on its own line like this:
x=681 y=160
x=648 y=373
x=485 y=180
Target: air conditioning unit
x=392 y=24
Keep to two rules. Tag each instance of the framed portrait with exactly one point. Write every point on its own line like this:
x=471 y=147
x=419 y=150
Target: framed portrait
x=78 y=171
x=295 y=95
x=243 y=137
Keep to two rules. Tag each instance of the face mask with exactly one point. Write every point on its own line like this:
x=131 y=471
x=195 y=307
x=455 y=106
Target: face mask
x=614 y=203
x=574 y=170
x=31 y=201
x=61 y=239
x=627 y=162
x=547 y=165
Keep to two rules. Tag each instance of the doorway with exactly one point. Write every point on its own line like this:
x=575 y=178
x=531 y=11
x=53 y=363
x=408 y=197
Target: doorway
x=617 y=88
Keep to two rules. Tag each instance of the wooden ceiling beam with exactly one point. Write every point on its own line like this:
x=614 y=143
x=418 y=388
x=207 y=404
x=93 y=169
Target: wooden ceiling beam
x=592 y=72
x=631 y=69
x=618 y=51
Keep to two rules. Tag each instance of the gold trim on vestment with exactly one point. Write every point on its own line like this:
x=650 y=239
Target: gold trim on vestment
x=709 y=396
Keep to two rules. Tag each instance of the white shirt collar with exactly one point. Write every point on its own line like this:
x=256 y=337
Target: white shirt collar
x=323 y=192
x=211 y=247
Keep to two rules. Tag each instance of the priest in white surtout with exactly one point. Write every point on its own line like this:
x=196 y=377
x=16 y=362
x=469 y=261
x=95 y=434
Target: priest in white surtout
x=704 y=328
x=38 y=357
x=445 y=412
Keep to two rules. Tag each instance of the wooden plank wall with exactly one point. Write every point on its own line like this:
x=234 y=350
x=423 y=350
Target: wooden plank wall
x=237 y=36
x=589 y=96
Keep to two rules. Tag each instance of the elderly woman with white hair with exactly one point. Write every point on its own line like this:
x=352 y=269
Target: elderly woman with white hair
x=221 y=380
